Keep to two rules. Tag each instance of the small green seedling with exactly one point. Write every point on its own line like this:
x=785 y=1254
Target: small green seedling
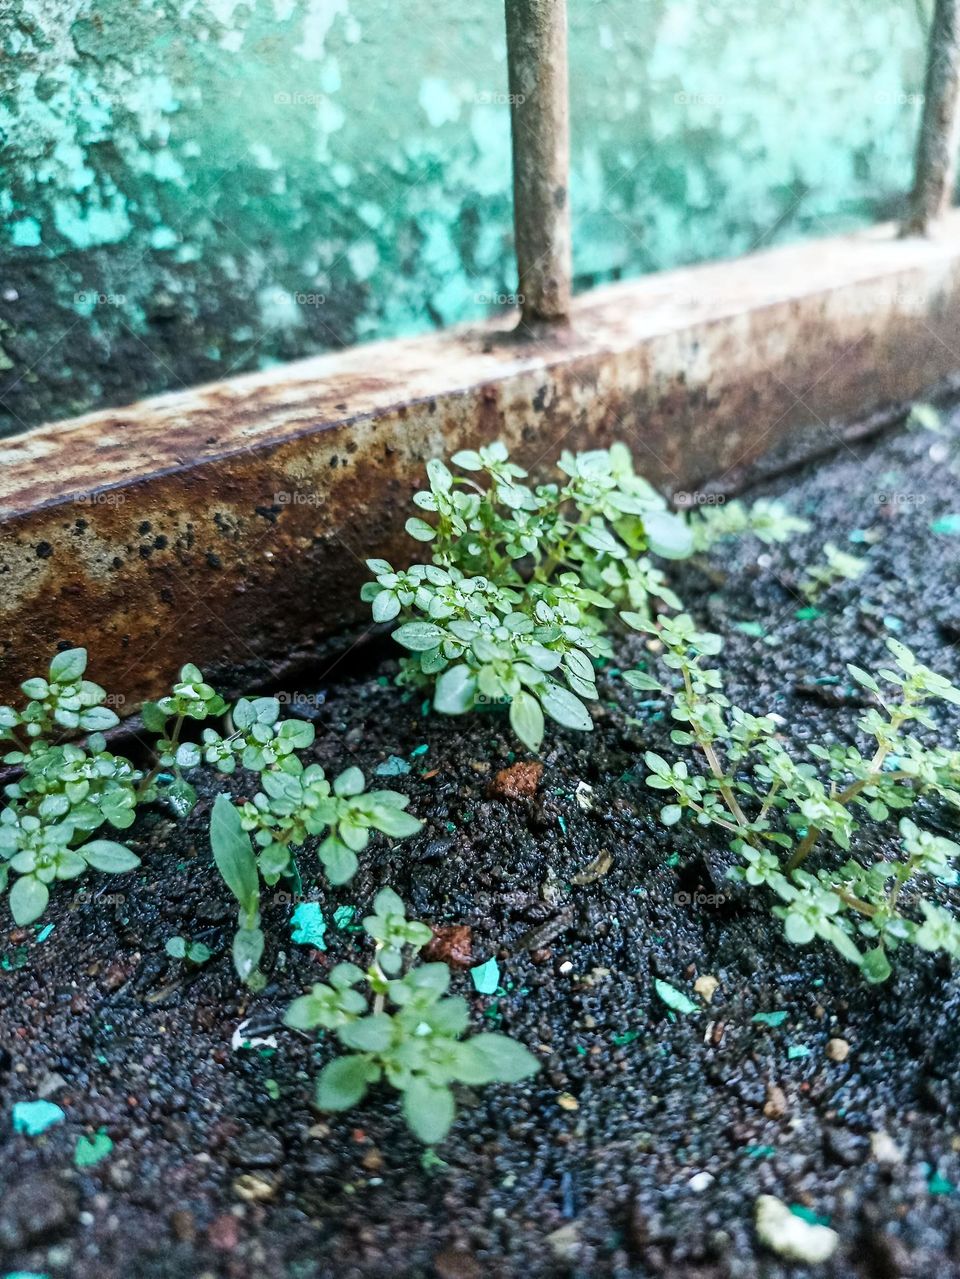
x=296 y=804
x=417 y=1046
x=838 y=566
x=512 y=610
x=66 y=791
x=777 y=811
x=192 y=952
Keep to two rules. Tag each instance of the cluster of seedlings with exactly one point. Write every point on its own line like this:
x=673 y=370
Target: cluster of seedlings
x=513 y=612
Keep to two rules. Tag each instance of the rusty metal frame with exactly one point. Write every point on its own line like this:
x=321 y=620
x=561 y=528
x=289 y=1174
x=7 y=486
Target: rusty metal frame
x=229 y=523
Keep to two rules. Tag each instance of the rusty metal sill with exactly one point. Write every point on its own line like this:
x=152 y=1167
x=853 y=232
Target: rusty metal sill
x=229 y=523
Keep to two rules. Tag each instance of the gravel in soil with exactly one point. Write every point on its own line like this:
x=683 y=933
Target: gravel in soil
x=641 y=1147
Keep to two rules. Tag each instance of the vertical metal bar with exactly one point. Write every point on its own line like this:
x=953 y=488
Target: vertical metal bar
x=540 y=127
x=936 y=160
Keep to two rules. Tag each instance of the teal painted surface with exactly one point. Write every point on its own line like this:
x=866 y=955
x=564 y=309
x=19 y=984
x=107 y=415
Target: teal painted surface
x=200 y=188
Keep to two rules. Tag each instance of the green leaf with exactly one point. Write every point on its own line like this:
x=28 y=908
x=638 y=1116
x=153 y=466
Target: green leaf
x=105 y=855
x=508 y=1061
x=28 y=899
x=395 y=822
x=339 y=861
x=233 y=854
x=387 y=902
x=455 y=691
x=298 y=733
x=371 y=1034
x=420 y=529
x=670 y=814
x=342 y=1083
x=98 y=719
x=642 y=682
x=796 y=929
x=154 y=719
x=385 y=606
x=428 y=1109
x=526 y=720
x=674 y=998
x=188 y=755
x=247 y=951
x=68 y=666
x=565 y=708
x=419 y=637
x=669 y=535
x=350 y=782
x=181 y=796
x=875 y=965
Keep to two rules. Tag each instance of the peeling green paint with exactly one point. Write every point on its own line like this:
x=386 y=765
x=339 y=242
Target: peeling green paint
x=198 y=187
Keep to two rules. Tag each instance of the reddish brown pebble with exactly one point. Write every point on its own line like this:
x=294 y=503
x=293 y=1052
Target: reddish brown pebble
x=450 y=945
x=452 y=1263
x=776 y=1103
x=224 y=1232
x=183 y=1226
x=519 y=781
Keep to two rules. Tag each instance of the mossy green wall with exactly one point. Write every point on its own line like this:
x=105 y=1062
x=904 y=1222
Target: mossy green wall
x=201 y=187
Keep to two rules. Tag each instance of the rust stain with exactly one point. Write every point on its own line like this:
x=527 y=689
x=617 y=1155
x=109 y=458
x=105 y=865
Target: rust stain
x=230 y=523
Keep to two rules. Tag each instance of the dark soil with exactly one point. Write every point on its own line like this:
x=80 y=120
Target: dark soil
x=219 y=1166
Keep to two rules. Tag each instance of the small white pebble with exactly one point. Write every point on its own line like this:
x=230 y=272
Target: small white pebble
x=700 y=1181
x=566 y=967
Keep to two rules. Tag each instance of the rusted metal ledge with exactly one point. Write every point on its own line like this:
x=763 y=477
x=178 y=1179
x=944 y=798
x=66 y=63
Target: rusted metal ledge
x=229 y=523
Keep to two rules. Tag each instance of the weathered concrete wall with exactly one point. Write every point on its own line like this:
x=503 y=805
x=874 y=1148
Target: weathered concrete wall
x=199 y=187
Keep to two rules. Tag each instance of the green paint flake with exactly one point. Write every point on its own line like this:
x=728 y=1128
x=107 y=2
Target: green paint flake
x=25 y=234
x=273 y=1089
x=627 y=1037
x=949 y=524
x=797 y=1050
x=562 y=824
x=44 y=933
x=419 y=750
x=343 y=916
x=807 y=614
x=755 y=629
x=808 y=1215
x=486 y=977
x=307 y=925
x=91 y=1150
x=938 y=1185
x=759 y=1152
x=25 y=1274
x=18 y=959
x=392 y=766
x=35 y=1117
x=770 y=1019
x=674 y=998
